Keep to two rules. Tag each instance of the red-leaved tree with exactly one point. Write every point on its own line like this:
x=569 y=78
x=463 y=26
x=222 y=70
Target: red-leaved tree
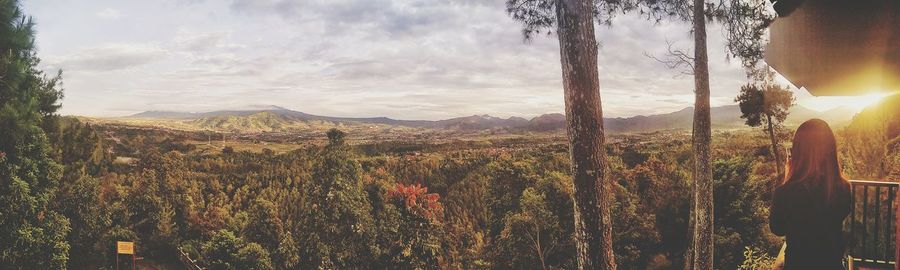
x=416 y=233
x=416 y=199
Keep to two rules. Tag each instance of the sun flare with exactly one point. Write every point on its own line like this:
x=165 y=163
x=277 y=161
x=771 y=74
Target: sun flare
x=855 y=103
x=861 y=102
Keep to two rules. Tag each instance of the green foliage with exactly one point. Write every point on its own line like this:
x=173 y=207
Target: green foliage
x=412 y=228
x=756 y=260
x=533 y=230
x=78 y=146
x=337 y=223
x=761 y=104
x=79 y=200
x=32 y=235
x=741 y=211
x=635 y=234
x=539 y=16
x=228 y=252
x=280 y=208
x=265 y=227
x=335 y=136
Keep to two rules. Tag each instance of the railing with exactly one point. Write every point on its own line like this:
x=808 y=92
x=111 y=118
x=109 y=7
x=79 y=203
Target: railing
x=189 y=264
x=872 y=223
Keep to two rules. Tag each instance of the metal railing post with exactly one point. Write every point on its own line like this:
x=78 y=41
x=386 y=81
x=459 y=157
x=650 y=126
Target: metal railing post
x=897 y=238
x=871 y=245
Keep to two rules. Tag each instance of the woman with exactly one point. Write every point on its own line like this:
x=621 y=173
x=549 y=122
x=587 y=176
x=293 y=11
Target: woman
x=810 y=206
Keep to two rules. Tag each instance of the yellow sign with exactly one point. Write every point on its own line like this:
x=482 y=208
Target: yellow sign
x=125 y=247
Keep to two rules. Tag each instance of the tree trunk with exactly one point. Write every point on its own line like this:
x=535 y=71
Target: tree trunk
x=776 y=153
x=702 y=135
x=692 y=223
x=584 y=127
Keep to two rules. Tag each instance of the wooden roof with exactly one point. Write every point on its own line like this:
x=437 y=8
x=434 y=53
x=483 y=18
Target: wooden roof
x=837 y=47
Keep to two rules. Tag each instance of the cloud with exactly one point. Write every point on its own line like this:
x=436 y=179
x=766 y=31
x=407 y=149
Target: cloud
x=109 y=13
x=192 y=41
x=110 y=57
x=406 y=59
x=338 y=16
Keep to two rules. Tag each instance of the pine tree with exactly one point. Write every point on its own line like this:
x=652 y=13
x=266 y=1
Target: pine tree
x=573 y=23
x=767 y=104
x=32 y=235
x=746 y=21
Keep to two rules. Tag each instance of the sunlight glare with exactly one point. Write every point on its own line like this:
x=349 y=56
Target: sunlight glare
x=855 y=103
x=861 y=102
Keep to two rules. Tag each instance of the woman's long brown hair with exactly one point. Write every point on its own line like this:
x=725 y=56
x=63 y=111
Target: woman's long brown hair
x=814 y=157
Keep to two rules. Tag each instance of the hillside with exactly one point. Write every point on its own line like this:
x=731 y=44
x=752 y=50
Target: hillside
x=872 y=141
x=257 y=122
x=278 y=119
x=882 y=118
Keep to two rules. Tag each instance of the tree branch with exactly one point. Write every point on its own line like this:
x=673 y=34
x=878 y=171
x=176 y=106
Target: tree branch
x=676 y=59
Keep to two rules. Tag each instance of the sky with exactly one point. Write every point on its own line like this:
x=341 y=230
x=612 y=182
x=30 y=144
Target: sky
x=404 y=59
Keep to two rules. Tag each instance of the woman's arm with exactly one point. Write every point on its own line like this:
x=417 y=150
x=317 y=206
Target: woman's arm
x=845 y=204
x=777 y=215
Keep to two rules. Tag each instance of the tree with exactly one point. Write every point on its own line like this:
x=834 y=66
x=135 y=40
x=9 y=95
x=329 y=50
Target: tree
x=746 y=21
x=151 y=215
x=337 y=225
x=574 y=22
x=335 y=136
x=32 y=234
x=767 y=104
x=741 y=216
x=228 y=252
x=702 y=212
x=79 y=200
x=699 y=254
x=417 y=241
x=533 y=229
x=266 y=228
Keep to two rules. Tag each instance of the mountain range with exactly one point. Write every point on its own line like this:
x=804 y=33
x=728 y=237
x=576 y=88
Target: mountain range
x=274 y=118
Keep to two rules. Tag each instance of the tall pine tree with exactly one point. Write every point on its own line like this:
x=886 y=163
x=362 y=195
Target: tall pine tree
x=32 y=235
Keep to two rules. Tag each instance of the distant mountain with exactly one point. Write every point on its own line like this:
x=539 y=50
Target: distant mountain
x=546 y=122
x=721 y=117
x=479 y=122
x=839 y=116
x=274 y=110
x=163 y=115
x=273 y=118
x=728 y=116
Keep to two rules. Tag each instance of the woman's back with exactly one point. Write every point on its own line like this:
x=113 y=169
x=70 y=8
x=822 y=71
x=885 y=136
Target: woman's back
x=810 y=206
x=812 y=222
